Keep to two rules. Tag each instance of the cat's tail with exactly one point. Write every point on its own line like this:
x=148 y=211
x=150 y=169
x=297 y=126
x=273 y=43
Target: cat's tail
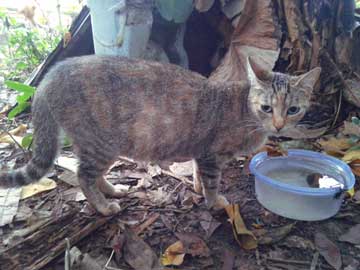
x=45 y=147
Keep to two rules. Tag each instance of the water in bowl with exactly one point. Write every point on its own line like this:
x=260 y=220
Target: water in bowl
x=301 y=173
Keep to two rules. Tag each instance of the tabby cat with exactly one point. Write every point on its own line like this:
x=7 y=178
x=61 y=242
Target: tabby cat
x=111 y=106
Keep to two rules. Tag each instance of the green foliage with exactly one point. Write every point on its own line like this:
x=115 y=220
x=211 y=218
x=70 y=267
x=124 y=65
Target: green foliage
x=26 y=47
x=25 y=93
x=26 y=142
x=175 y=10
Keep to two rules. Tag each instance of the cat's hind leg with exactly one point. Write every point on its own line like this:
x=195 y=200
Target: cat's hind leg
x=89 y=174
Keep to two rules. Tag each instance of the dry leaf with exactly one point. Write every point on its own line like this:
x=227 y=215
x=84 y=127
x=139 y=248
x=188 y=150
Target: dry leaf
x=44 y=184
x=351 y=155
x=10 y=139
x=274 y=235
x=159 y=196
x=68 y=163
x=9 y=201
x=20 y=130
x=203 y=5
x=228 y=260
x=153 y=170
x=351 y=129
x=193 y=244
x=274 y=150
x=143 y=226
x=70 y=178
x=138 y=254
x=356 y=197
x=5 y=109
x=243 y=236
x=182 y=168
x=352 y=235
x=355 y=166
x=335 y=146
x=174 y=254
x=66 y=39
x=208 y=223
x=294 y=241
x=328 y=250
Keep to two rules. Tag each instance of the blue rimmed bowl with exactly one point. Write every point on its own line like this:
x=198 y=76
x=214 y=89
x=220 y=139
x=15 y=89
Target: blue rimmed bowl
x=282 y=187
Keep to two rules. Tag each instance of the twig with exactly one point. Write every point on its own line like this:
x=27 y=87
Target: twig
x=184 y=179
x=305 y=263
x=11 y=136
x=107 y=267
x=67 y=259
x=338 y=108
x=314 y=261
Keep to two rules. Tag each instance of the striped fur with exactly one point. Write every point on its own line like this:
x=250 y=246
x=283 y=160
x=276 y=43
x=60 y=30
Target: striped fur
x=111 y=106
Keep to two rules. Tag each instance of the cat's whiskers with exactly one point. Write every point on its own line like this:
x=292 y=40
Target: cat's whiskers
x=255 y=130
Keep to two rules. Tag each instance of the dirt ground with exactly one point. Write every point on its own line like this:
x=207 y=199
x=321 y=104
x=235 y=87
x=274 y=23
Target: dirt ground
x=164 y=209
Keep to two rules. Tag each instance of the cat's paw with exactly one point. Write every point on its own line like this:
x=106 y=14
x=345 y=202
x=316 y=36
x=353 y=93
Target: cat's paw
x=110 y=209
x=216 y=202
x=221 y=203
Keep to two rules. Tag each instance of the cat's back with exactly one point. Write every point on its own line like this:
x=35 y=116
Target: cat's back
x=109 y=73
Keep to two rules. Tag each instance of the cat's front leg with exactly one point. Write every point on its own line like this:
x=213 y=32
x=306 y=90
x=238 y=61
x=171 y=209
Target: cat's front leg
x=207 y=176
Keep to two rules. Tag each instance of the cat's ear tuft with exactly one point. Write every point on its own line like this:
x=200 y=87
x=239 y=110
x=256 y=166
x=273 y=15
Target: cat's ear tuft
x=257 y=71
x=309 y=79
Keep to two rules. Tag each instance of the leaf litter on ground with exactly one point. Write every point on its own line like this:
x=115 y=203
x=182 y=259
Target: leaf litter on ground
x=328 y=250
x=188 y=243
x=243 y=236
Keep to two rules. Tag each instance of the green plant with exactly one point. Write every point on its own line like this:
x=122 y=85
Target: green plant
x=26 y=47
x=23 y=99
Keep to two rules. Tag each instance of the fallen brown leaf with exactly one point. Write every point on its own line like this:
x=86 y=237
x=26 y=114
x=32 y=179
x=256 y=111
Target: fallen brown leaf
x=298 y=242
x=355 y=166
x=274 y=150
x=174 y=254
x=352 y=235
x=328 y=250
x=357 y=197
x=228 y=260
x=275 y=235
x=335 y=146
x=351 y=129
x=243 y=236
x=208 y=223
x=193 y=244
x=138 y=254
x=182 y=168
x=351 y=155
x=150 y=220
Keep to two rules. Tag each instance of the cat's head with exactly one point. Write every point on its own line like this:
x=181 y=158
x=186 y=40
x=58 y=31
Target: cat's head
x=279 y=101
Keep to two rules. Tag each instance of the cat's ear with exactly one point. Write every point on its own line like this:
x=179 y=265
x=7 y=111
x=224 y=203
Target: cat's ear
x=257 y=71
x=309 y=79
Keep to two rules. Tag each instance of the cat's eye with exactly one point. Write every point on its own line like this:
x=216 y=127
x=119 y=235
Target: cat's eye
x=293 y=110
x=266 y=108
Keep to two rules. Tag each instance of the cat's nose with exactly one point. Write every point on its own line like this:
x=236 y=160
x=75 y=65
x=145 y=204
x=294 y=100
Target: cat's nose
x=278 y=128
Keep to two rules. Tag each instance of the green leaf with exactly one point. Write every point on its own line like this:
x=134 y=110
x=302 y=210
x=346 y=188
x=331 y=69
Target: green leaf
x=26 y=142
x=20 y=87
x=67 y=142
x=18 y=109
x=22 y=98
x=21 y=66
x=175 y=10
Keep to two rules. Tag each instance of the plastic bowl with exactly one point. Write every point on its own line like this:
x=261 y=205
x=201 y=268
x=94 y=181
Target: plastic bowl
x=296 y=201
